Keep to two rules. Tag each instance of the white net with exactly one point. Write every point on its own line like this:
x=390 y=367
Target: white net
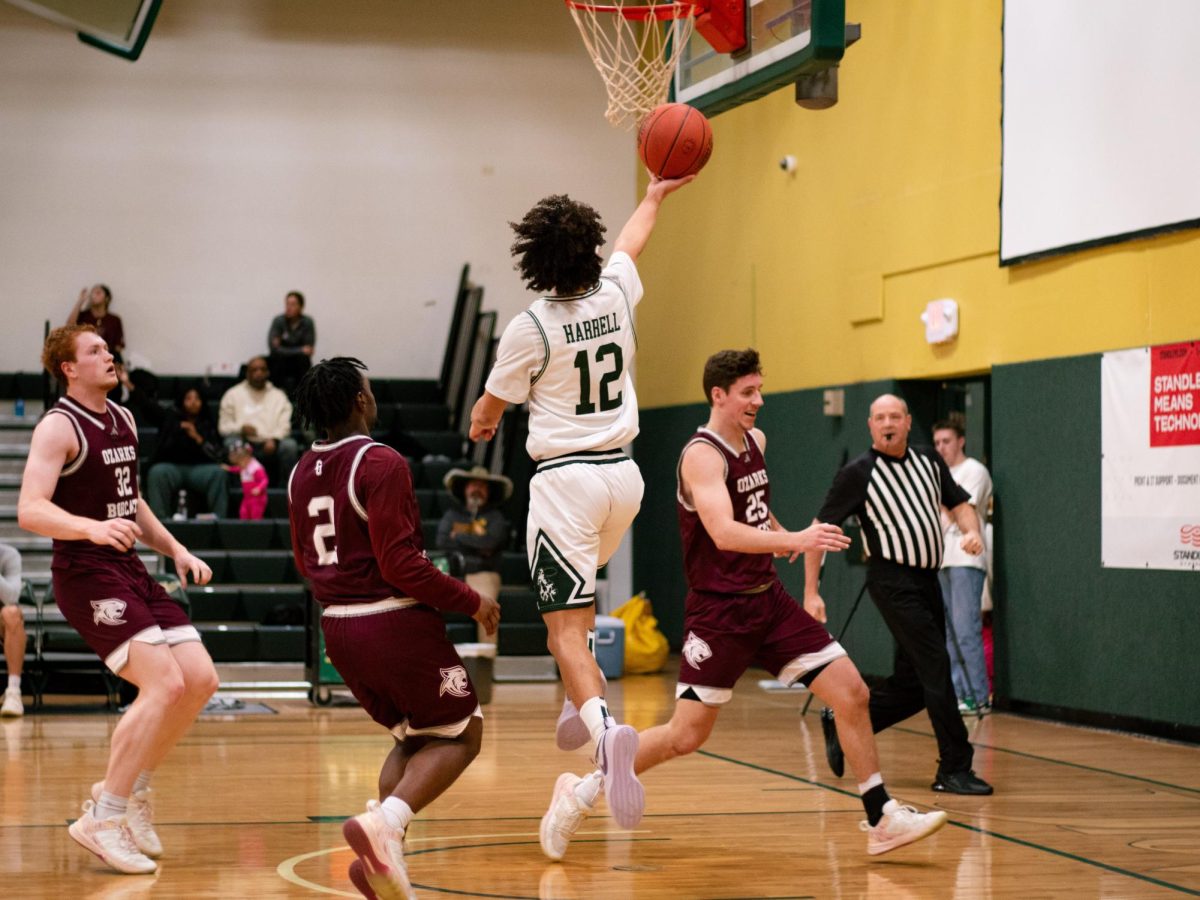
x=635 y=47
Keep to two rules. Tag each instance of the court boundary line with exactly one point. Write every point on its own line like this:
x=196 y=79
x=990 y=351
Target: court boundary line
x=1004 y=837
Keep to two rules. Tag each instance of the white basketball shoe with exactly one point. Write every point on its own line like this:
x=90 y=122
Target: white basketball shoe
x=378 y=847
x=567 y=812
x=140 y=816
x=111 y=840
x=900 y=825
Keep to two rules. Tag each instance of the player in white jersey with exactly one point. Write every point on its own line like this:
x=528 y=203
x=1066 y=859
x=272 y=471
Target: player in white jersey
x=569 y=356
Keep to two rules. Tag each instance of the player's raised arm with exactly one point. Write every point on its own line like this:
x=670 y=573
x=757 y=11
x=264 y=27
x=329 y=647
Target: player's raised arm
x=633 y=237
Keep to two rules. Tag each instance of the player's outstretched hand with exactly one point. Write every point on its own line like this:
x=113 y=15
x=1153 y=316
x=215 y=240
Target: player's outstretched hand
x=663 y=186
x=480 y=433
x=814 y=605
x=185 y=563
x=819 y=536
x=119 y=533
x=488 y=614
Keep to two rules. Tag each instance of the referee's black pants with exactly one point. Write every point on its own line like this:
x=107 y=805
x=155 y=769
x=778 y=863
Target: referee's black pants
x=910 y=601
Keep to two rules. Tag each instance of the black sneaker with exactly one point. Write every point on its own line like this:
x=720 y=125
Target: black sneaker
x=833 y=749
x=964 y=782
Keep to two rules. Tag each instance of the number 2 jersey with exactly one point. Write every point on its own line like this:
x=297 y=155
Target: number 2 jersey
x=101 y=482
x=356 y=529
x=708 y=568
x=570 y=358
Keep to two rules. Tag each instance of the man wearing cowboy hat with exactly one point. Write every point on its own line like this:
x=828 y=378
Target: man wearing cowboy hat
x=475 y=528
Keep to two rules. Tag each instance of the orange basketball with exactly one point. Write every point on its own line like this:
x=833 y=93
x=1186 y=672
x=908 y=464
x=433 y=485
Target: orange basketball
x=675 y=140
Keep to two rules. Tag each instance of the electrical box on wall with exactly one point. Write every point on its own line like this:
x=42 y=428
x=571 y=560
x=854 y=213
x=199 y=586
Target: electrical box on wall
x=941 y=321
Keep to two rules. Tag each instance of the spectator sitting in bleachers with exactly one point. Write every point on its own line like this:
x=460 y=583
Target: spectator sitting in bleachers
x=259 y=413
x=291 y=341
x=92 y=309
x=476 y=528
x=188 y=455
x=12 y=627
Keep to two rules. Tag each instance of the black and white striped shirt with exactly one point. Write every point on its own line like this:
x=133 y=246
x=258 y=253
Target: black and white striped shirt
x=898 y=500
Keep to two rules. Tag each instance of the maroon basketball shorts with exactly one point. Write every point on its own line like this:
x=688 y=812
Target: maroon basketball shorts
x=725 y=634
x=397 y=661
x=112 y=601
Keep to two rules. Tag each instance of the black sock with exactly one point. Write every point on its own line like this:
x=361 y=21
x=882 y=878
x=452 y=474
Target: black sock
x=873 y=801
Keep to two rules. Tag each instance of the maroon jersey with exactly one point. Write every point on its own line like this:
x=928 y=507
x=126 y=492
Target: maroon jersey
x=356 y=529
x=723 y=571
x=101 y=482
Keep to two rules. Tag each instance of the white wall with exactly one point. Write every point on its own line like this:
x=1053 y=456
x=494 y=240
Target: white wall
x=359 y=152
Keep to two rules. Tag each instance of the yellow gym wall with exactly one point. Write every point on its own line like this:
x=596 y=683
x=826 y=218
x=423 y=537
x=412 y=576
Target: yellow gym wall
x=895 y=202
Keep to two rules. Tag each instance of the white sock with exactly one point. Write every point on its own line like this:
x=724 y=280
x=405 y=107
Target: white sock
x=595 y=716
x=397 y=812
x=890 y=807
x=143 y=780
x=871 y=782
x=588 y=788
x=14 y=681
x=110 y=806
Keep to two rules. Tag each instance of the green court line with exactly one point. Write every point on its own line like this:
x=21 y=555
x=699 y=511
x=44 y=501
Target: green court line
x=1063 y=762
x=1004 y=837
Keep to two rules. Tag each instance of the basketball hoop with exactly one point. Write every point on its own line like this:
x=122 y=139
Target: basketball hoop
x=635 y=47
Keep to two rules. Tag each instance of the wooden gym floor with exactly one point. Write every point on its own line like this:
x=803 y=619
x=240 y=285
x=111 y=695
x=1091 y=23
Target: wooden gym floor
x=251 y=806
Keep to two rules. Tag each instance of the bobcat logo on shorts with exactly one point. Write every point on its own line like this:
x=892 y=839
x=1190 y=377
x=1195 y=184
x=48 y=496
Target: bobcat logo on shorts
x=695 y=651
x=545 y=587
x=454 y=681
x=108 y=612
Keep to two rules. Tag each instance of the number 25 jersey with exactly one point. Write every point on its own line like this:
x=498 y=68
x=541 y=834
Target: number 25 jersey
x=570 y=358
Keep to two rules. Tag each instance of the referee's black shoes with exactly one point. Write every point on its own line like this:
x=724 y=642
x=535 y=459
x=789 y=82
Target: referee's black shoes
x=833 y=750
x=964 y=782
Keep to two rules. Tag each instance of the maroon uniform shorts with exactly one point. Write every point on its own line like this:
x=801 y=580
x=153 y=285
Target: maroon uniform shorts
x=724 y=634
x=399 y=664
x=113 y=600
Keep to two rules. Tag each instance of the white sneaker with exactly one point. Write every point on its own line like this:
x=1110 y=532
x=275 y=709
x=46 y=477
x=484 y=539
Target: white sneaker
x=377 y=845
x=615 y=754
x=140 y=816
x=111 y=840
x=900 y=825
x=12 y=703
x=565 y=815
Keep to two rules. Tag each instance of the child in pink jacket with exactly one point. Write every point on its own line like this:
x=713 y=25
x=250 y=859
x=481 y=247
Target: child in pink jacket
x=254 y=481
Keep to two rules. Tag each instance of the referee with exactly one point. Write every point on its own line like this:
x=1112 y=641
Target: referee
x=897 y=493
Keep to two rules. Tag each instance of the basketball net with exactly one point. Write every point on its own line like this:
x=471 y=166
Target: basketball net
x=636 y=47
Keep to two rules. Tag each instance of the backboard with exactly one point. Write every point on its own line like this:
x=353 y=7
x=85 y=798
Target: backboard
x=787 y=39
x=120 y=27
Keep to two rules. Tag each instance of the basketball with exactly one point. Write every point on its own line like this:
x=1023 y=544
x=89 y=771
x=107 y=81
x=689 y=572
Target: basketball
x=675 y=140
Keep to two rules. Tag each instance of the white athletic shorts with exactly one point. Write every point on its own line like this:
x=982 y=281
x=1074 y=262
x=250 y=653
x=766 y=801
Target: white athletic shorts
x=580 y=506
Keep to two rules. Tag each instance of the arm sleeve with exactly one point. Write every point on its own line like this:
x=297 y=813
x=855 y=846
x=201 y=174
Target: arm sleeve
x=308 y=332
x=117 y=330
x=275 y=331
x=384 y=485
x=227 y=416
x=846 y=495
x=520 y=358
x=952 y=494
x=622 y=270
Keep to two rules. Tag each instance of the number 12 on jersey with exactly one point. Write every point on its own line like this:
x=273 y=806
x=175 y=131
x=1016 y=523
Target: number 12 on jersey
x=582 y=363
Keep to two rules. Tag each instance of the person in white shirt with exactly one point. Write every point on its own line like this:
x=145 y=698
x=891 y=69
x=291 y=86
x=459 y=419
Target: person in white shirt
x=568 y=355
x=962 y=575
x=257 y=412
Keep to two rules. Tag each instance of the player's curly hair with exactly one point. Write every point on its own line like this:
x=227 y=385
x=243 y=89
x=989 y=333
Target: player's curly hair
x=60 y=348
x=325 y=395
x=557 y=244
x=725 y=367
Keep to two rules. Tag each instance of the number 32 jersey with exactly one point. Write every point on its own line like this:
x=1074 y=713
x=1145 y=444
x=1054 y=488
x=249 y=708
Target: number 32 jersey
x=570 y=358
x=356 y=529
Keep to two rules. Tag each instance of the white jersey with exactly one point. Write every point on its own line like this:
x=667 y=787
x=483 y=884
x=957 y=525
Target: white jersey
x=570 y=358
